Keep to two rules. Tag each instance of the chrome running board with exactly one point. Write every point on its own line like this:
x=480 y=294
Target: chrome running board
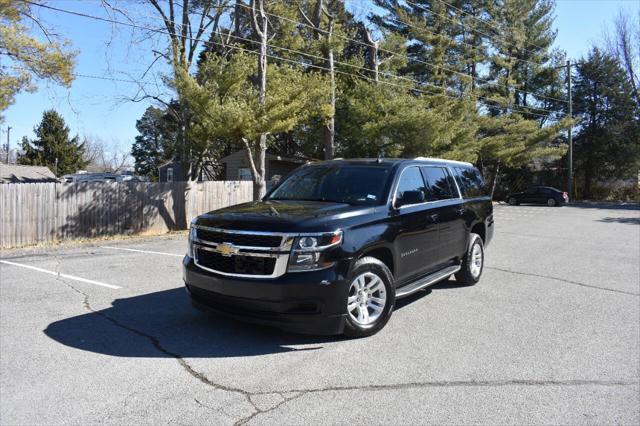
x=426 y=281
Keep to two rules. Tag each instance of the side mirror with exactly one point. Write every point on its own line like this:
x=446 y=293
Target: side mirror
x=410 y=197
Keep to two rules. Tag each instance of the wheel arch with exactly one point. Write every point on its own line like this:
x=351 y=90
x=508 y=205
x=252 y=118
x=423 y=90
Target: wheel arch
x=383 y=253
x=479 y=228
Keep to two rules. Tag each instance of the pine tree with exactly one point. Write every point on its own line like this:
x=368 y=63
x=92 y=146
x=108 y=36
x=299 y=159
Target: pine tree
x=52 y=146
x=607 y=142
x=156 y=142
x=225 y=99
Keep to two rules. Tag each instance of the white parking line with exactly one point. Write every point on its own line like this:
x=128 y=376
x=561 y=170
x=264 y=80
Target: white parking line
x=144 y=251
x=58 y=274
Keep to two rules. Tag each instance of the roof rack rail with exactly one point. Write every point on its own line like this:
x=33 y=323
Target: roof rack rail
x=443 y=159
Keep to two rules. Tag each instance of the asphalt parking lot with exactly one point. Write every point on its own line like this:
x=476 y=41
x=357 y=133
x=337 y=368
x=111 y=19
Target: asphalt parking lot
x=104 y=333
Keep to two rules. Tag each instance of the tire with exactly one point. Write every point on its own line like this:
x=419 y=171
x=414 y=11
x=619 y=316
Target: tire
x=368 y=268
x=551 y=202
x=512 y=201
x=470 y=272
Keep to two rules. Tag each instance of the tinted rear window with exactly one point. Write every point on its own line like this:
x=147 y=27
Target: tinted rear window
x=471 y=182
x=439 y=183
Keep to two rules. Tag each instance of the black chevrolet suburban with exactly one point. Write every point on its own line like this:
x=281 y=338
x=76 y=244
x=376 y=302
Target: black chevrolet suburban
x=331 y=248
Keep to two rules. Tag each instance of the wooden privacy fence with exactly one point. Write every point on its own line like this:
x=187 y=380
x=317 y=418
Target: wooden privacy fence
x=35 y=213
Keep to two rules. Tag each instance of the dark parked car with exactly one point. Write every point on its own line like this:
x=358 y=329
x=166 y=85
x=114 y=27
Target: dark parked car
x=331 y=248
x=539 y=195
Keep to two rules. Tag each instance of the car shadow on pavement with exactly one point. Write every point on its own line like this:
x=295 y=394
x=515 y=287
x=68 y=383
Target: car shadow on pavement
x=172 y=327
x=627 y=220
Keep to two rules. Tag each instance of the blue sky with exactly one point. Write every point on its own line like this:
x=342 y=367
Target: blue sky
x=102 y=109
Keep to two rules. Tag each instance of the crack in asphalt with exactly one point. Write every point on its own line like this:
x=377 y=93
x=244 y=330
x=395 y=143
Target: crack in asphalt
x=530 y=274
x=184 y=364
x=298 y=393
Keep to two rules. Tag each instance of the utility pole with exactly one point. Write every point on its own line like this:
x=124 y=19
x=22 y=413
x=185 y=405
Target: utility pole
x=570 y=154
x=8 y=141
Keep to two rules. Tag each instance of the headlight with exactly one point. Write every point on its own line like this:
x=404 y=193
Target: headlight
x=192 y=237
x=308 y=251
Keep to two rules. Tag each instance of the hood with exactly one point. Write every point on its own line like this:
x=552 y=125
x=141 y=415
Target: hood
x=284 y=216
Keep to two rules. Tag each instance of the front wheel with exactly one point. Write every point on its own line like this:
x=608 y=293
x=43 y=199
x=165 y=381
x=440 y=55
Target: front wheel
x=472 y=263
x=512 y=201
x=551 y=202
x=370 y=298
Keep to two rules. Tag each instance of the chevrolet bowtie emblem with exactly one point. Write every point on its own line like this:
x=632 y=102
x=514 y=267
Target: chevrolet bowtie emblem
x=227 y=249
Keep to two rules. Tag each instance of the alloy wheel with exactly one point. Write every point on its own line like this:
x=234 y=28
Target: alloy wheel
x=367 y=298
x=476 y=260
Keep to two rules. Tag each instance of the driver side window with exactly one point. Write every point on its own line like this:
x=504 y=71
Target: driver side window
x=410 y=180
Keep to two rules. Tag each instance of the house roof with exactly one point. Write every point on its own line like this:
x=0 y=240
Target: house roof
x=11 y=173
x=298 y=159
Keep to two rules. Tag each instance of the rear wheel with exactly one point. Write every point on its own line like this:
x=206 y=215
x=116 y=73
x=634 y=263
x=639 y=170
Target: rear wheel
x=551 y=202
x=473 y=262
x=512 y=201
x=370 y=298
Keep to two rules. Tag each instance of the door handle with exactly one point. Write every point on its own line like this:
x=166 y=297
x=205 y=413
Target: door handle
x=460 y=211
x=434 y=217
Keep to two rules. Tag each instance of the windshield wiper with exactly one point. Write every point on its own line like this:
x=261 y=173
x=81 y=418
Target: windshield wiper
x=325 y=200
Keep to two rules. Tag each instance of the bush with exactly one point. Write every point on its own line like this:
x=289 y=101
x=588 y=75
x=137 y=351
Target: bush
x=627 y=193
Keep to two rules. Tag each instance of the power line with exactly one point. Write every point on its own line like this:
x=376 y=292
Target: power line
x=422 y=29
x=480 y=79
x=75 y=74
x=491 y=37
x=462 y=74
x=418 y=83
x=113 y=21
x=488 y=23
x=476 y=78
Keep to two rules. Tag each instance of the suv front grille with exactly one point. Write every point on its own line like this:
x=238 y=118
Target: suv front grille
x=247 y=240
x=240 y=264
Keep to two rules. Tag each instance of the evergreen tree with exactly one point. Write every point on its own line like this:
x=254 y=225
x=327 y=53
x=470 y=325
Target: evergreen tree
x=521 y=65
x=156 y=142
x=606 y=144
x=225 y=99
x=510 y=141
x=377 y=119
x=52 y=146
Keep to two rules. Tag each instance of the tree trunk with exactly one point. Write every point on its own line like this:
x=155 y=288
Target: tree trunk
x=260 y=185
x=316 y=24
x=258 y=171
x=330 y=129
x=494 y=179
x=372 y=60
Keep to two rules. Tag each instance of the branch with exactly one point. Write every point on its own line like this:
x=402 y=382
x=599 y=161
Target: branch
x=149 y=67
x=167 y=23
x=118 y=10
x=254 y=19
x=249 y=156
x=186 y=25
x=305 y=17
x=42 y=28
x=317 y=13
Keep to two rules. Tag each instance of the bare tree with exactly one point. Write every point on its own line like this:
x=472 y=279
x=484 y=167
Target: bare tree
x=187 y=23
x=260 y=26
x=327 y=50
x=104 y=157
x=624 y=43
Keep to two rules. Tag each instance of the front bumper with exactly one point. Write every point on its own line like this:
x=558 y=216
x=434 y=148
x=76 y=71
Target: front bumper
x=305 y=302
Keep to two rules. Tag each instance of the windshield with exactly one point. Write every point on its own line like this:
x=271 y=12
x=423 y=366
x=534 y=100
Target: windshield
x=363 y=185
